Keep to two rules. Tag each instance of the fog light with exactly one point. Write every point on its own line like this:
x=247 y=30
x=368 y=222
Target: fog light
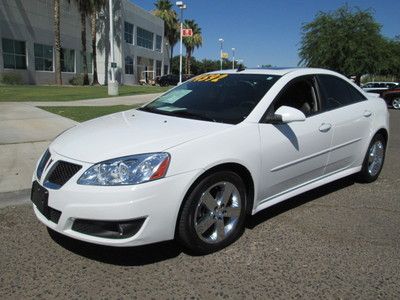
x=108 y=229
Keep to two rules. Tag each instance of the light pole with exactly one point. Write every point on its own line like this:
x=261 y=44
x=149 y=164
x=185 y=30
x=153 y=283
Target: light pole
x=168 y=48
x=112 y=85
x=233 y=58
x=221 y=41
x=181 y=6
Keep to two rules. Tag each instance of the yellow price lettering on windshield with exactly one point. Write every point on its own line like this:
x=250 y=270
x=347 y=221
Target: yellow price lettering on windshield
x=210 y=78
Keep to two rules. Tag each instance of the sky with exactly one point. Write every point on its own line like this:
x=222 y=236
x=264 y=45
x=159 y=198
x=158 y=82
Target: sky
x=265 y=31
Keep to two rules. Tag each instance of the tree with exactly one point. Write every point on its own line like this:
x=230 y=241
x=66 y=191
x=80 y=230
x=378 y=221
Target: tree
x=191 y=42
x=95 y=7
x=347 y=41
x=391 y=63
x=171 y=26
x=57 y=41
x=84 y=7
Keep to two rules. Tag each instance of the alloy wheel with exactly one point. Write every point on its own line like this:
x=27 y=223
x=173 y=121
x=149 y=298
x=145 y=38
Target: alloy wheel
x=375 y=157
x=396 y=103
x=217 y=212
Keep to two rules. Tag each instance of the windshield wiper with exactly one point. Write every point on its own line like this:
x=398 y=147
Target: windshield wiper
x=154 y=110
x=149 y=109
x=178 y=113
x=192 y=115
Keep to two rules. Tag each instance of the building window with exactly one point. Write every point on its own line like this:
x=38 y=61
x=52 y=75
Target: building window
x=128 y=33
x=67 y=60
x=89 y=60
x=43 y=57
x=158 y=67
x=158 y=42
x=165 y=69
x=14 y=54
x=144 y=38
x=128 y=65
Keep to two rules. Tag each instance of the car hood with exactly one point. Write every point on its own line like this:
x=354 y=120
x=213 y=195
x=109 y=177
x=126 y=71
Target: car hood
x=127 y=133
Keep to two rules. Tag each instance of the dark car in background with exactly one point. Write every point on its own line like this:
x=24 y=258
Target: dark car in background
x=378 y=87
x=172 y=79
x=392 y=97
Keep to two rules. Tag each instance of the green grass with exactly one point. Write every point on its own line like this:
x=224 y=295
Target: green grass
x=84 y=113
x=67 y=93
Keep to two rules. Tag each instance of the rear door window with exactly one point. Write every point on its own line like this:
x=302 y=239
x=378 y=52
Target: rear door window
x=337 y=93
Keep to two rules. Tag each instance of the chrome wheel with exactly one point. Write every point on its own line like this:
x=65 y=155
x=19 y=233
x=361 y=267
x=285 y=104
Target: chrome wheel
x=396 y=103
x=217 y=212
x=375 y=157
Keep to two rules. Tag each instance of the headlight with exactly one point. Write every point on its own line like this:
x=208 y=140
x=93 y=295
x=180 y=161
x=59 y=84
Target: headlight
x=127 y=170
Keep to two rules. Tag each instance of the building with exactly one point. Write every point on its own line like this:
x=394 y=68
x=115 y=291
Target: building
x=27 y=42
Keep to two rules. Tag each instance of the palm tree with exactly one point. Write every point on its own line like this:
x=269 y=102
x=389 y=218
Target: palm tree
x=95 y=6
x=171 y=26
x=191 y=42
x=57 y=41
x=84 y=7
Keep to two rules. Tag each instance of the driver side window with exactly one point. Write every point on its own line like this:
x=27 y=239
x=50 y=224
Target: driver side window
x=300 y=94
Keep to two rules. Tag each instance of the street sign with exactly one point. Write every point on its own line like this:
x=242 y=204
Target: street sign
x=187 y=32
x=224 y=55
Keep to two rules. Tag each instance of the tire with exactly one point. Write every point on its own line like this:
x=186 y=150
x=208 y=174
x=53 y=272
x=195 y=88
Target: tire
x=213 y=213
x=374 y=159
x=396 y=103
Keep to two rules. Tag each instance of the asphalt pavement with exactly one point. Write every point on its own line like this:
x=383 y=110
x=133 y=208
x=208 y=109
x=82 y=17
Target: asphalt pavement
x=340 y=241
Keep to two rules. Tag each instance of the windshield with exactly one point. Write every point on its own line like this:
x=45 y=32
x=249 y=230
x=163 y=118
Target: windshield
x=225 y=98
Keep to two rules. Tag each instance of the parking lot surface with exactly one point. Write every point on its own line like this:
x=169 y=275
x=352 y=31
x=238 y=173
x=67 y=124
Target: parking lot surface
x=339 y=241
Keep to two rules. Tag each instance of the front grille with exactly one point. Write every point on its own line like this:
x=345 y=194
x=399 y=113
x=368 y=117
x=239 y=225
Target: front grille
x=108 y=229
x=42 y=164
x=39 y=197
x=60 y=173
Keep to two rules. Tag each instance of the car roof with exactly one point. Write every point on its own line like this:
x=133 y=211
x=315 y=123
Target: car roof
x=274 y=71
x=379 y=82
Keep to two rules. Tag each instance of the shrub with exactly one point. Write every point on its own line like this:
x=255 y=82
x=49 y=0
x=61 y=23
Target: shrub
x=76 y=80
x=11 y=78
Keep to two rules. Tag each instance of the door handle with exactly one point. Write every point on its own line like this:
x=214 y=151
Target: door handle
x=325 y=127
x=367 y=113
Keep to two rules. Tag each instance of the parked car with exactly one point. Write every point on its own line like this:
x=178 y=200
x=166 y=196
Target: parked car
x=198 y=160
x=392 y=97
x=378 y=87
x=172 y=79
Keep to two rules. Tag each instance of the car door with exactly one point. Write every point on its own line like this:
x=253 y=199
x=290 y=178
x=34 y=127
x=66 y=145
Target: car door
x=296 y=153
x=350 y=117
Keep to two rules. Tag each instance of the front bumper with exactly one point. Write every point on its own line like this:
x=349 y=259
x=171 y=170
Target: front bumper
x=157 y=203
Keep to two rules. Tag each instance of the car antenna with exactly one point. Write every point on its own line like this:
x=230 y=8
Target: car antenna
x=240 y=68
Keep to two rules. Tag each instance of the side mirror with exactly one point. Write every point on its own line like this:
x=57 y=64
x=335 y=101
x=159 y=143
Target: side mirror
x=286 y=114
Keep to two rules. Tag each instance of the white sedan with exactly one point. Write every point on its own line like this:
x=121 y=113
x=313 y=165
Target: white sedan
x=192 y=164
